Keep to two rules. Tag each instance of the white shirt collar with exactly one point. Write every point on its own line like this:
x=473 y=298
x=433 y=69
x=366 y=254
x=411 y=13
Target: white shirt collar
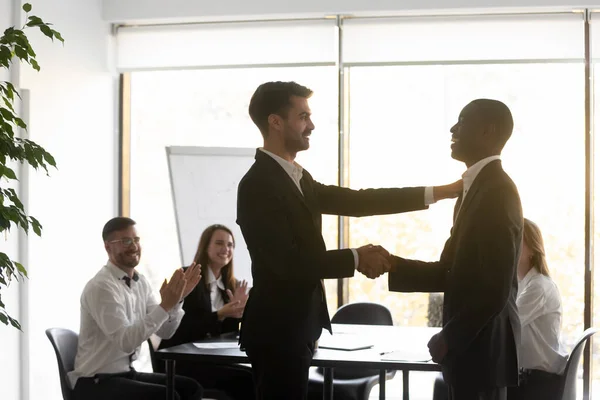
x=118 y=272
x=212 y=279
x=528 y=277
x=470 y=174
x=293 y=169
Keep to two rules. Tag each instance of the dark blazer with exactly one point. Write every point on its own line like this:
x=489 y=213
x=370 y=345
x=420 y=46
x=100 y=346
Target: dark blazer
x=282 y=229
x=199 y=321
x=477 y=273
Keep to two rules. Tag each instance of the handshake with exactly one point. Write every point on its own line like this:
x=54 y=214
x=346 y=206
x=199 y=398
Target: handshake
x=373 y=261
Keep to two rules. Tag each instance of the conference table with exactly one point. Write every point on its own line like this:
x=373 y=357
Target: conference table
x=383 y=348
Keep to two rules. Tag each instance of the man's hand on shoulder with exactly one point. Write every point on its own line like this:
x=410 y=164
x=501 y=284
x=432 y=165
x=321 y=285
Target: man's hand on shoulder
x=450 y=191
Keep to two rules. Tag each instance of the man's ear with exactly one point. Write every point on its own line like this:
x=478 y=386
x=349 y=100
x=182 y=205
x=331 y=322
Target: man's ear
x=490 y=130
x=275 y=121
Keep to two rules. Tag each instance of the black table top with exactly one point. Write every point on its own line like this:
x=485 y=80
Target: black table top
x=394 y=348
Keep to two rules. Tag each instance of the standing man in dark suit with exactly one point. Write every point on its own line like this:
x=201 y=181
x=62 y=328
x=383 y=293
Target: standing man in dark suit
x=279 y=212
x=478 y=344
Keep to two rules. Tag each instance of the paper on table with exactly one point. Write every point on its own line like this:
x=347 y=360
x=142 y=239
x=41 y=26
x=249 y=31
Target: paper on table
x=406 y=355
x=217 y=345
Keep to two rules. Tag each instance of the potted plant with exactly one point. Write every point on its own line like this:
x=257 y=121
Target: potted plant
x=15 y=47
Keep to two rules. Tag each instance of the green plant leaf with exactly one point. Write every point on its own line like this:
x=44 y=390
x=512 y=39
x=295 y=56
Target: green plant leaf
x=34 y=64
x=14 y=322
x=4 y=318
x=7 y=172
x=8 y=103
x=58 y=36
x=21 y=53
x=11 y=91
x=47 y=31
x=26 y=7
x=34 y=21
x=35 y=224
x=21 y=268
x=7 y=114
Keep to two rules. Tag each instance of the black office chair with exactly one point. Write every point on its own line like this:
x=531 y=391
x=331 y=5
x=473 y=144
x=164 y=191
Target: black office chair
x=440 y=389
x=568 y=387
x=352 y=383
x=64 y=342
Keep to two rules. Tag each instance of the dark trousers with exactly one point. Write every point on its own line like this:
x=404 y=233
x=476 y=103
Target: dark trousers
x=134 y=385
x=280 y=370
x=536 y=385
x=468 y=393
x=235 y=381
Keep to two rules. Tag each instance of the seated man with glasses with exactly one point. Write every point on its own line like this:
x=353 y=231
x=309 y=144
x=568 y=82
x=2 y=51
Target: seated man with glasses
x=119 y=313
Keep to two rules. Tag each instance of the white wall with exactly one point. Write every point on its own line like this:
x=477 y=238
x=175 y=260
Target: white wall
x=72 y=112
x=140 y=10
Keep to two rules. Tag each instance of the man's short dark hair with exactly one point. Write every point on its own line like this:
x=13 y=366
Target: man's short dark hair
x=114 y=225
x=274 y=98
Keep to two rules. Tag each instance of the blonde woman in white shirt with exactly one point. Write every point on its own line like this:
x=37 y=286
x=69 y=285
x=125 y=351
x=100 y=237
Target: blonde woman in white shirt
x=541 y=355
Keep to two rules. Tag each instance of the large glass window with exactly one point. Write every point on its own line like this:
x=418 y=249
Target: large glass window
x=403 y=96
x=402 y=114
x=210 y=108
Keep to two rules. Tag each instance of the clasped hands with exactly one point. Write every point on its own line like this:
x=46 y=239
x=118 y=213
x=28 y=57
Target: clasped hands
x=373 y=261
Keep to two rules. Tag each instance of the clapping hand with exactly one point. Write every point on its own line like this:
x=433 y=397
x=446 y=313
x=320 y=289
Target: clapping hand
x=239 y=294
x=171 y=293
x=237 y=302
x=373 y=261
x=192 y=276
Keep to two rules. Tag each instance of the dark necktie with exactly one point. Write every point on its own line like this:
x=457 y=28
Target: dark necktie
x=128 y=283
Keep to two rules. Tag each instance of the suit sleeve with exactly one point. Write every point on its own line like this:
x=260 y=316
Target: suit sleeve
x=417 y=276
x=496 y=242
x=338 y=200
x=198 y=320
x=263 y=219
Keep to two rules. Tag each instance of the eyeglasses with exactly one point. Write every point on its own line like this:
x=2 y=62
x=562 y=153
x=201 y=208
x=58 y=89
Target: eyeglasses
x=126 y=241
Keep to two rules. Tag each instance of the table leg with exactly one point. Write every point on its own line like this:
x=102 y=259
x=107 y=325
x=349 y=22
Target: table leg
x=405 y=392
x=327 y=383
x=382 y=374
x=170 y=379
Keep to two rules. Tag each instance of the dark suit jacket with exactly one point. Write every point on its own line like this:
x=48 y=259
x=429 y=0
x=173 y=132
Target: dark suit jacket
x=199 y=321
x=282 y=229
x=477 y=273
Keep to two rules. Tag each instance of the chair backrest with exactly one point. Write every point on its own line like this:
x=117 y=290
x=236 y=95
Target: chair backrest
x=64 y=342
x=363 y=313
x=569 y=380
x=153 y=343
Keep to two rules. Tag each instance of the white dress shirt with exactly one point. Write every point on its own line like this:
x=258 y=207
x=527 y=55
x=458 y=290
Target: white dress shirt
x=471 y=173
x=216 y=299
x=295 y=170
x=116 y=320
x=540 y=312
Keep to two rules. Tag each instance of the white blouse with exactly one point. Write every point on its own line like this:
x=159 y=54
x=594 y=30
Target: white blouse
x=540 y=312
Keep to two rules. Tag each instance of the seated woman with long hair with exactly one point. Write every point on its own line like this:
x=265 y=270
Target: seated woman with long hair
x=214 y=308
x=541 y=355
